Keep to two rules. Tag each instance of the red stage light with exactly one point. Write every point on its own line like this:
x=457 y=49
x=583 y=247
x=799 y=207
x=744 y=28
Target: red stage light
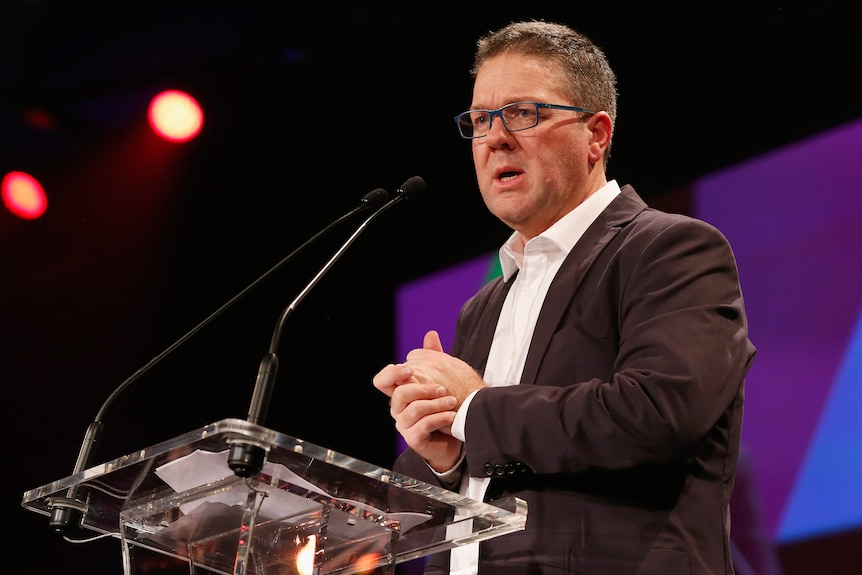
x=175 y=116
x=23 y=195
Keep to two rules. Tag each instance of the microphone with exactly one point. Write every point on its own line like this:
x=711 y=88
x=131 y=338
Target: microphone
x=410 y=189
x=67 y=513
x=247 y=459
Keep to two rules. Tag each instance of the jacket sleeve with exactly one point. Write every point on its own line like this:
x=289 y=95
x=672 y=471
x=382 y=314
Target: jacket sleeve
x=645 y=365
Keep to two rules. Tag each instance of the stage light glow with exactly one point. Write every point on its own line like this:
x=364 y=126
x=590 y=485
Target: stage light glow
x=23 y=195
x=305 y=556
x=175 y=116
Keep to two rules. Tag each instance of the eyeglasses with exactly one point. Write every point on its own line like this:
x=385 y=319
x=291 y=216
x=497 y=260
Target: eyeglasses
x=516 y=116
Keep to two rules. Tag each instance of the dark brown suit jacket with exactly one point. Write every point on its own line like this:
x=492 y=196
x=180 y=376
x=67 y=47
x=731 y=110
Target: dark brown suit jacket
x=624 y=432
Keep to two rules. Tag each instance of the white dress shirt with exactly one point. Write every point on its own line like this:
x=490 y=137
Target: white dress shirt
x=536 y=262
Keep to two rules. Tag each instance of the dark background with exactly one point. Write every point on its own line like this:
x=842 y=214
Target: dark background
x=307 y=107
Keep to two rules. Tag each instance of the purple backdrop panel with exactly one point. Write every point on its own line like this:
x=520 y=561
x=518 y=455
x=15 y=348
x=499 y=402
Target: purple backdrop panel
x=433 y=302
x=794 y=218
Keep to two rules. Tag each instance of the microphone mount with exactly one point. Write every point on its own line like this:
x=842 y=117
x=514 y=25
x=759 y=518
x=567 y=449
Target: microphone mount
x=67 y=513
x=247 y=459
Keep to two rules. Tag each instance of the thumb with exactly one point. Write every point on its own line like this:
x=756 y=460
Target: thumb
x=432 y=341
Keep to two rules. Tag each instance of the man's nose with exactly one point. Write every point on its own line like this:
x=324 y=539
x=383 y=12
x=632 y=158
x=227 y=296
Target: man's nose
x=497 y=131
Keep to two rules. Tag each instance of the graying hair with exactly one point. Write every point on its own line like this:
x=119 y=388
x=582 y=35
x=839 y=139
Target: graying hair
x=587 y=75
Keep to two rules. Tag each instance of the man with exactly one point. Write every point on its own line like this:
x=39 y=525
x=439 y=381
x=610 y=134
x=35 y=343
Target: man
x=600 y=379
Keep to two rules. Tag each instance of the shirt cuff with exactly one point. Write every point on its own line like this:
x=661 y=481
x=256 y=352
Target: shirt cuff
x=451 y=478
x=460 y=423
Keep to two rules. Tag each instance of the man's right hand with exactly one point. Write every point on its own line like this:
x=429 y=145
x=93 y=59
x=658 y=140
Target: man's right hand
x=423 y=414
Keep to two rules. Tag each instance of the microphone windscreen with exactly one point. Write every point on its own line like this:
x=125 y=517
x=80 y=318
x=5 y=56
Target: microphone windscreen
x=375 y=197
x=411 y=188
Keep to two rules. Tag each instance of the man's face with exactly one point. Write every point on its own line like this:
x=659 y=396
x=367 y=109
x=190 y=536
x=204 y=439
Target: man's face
x=530 y=179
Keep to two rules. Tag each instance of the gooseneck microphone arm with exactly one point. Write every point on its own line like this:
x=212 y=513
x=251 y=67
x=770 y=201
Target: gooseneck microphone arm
x=247 y=459
x=68 y=512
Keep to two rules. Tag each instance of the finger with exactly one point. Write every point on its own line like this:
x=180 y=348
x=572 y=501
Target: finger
x=419 y=431
x=391 y=376
x=407 y=394
x=432 y=341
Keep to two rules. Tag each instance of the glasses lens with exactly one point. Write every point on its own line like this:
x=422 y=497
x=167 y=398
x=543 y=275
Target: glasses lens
x=473 y=124
x=516 y=117
x=520 y=116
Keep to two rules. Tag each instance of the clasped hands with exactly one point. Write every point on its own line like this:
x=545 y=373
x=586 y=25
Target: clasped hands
x=424 y=394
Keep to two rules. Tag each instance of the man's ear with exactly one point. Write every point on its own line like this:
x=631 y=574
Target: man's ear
x=601 y=128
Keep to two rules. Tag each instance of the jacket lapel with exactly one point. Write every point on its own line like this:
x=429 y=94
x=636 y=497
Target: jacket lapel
x=564 y=286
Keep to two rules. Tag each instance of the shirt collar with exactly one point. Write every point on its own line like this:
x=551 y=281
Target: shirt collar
x=565 y=233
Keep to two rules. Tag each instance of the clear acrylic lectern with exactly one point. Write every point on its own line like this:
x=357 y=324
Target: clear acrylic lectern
x=310 y=511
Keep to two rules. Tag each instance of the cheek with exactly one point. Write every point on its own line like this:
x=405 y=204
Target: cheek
x=487 y=198
x=481 y=160
x=480 y=152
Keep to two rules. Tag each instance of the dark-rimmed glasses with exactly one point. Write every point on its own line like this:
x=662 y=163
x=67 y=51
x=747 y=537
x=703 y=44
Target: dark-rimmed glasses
x=516 y=116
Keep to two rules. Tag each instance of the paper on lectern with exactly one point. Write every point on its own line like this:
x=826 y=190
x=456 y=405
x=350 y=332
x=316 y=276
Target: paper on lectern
x=207 y=467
